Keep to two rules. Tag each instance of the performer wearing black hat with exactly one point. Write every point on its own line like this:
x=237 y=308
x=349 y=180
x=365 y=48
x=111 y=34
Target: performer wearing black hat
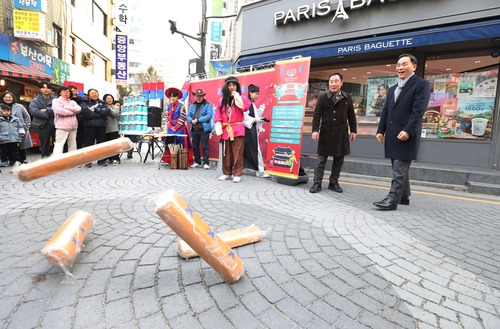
x=229 y=125
x=252 y=155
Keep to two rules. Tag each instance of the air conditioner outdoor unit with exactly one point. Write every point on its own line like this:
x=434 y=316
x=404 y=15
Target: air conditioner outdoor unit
x=88 y=59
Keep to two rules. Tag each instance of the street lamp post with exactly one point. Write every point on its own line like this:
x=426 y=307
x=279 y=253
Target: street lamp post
x=201 y=39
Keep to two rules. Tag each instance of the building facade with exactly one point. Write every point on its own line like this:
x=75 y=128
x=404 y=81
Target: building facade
x=457 y=50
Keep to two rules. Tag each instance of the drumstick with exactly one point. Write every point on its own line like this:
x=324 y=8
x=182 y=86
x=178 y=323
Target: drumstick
x=65 y=161
x=188 y=225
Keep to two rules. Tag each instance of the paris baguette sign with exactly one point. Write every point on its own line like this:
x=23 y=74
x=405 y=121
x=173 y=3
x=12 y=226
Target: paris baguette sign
x=321 y=9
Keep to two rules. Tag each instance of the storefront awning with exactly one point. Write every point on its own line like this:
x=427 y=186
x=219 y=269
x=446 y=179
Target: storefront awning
x=424 y=37
x=9 y=69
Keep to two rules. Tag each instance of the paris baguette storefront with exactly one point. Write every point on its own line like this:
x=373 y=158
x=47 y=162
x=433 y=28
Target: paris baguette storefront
x=457 y=44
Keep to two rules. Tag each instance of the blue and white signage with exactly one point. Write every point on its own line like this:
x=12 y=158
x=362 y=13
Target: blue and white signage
x=216 y=31
x=33 y=5
x=121 y=59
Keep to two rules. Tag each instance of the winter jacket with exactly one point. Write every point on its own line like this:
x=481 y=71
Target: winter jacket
x=65 y=111
x=206 y=114
x=333 y=118
x=112 y=119
x=10 y=130
x=40 y=119
x=96 y=118
x=24 y=117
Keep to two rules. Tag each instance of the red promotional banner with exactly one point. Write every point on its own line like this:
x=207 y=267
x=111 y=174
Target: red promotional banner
x=288 y=109
x=213 y=88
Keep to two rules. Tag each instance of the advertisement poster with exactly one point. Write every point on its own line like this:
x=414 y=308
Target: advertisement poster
x=439 y=86
x=486 y=88
x=447 y=120
x=213 y=88
x=288 y=113
x=377 y=93
x=466 y=85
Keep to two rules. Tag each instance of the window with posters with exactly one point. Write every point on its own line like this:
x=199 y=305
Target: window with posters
x=461 y=105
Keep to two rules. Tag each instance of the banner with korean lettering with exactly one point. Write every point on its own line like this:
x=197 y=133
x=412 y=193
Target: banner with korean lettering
x=62 y=71
x=121 y=59
x=28 y=55
x=287 y=117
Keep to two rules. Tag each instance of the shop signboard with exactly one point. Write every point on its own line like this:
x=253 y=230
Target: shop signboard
x=29 y=25
x=28 y=55
x=121 y=16
x=215 y=31
x=121 y=60
x=215 y=51
x=62 y=71
x=287 y=117
x=217 y=7
x=33 y=5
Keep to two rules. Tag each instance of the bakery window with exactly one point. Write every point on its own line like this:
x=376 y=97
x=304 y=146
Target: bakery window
x=462 y=100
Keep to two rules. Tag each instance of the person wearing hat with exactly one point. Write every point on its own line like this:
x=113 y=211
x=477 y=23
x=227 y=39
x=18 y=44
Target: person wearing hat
x=252 y=155
x=229 y=125
x=200 y=115
x=176 y=124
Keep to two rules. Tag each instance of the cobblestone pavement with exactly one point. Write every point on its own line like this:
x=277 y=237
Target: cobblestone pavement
x=328 y=261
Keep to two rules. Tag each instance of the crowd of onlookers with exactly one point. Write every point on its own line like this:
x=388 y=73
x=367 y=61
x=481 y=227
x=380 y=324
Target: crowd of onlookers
x=65 y=122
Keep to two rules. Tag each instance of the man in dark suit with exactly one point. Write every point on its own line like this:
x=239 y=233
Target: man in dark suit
x=401 y=123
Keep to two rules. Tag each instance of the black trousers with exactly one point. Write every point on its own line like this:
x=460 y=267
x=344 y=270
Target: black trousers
x=400 y=185
x=94 y=135
x=110 y=137
x=200 y=136
x=319 y=171
x=45 y=134
x=9 y=152
x=80 y=134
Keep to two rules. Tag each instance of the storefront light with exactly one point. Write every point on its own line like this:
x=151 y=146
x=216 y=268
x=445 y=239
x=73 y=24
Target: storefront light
x=477 y=61
x=448 y=69
x=344 y=69
x=2 y=82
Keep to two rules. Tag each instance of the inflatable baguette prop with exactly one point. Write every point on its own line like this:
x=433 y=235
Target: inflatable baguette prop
x=66 y=243
x=198 y=235
x=233 y=238
x=57 y=163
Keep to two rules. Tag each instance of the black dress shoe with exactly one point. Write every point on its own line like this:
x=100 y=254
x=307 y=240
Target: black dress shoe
x=335 y=187
x=405 y=201
x=386 y=205
x=315 y=188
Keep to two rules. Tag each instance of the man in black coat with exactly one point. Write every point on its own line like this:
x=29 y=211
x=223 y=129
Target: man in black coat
x=334 y=124
x=43 y=117
x=401 y=123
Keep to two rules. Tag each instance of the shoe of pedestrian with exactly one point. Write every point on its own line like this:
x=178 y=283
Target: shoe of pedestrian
x=102 y=164
x=224 y=177
x=237 y=179
x=88 y=165
x=335 y=187
x=386 y=205
x=4 y=164
x=24 y=162
x=195 y=165
x=116 y=162
x=405 y=201
x=315 y=188
x=262 y=174
x=129 y=156
x=206 y=167
x=107 y=161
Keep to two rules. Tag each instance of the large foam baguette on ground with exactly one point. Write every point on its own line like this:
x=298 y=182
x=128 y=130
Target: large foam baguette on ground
x=57 y=163
x=198 y=235
x=233 y=238
x=66 y=243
